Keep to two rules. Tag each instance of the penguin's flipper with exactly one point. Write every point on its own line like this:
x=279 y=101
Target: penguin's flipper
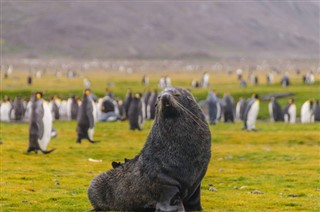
x=90 y=134
x=91 y=118
x=40 y=126
x=47 y=151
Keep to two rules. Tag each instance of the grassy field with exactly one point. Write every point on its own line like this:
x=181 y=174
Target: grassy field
x=222 y=82
x=280 y=160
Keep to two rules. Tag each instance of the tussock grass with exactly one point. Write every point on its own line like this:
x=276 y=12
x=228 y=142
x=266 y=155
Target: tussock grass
x=280 y=160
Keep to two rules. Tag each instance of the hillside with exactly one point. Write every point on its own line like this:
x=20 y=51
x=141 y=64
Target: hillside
x=161 y=30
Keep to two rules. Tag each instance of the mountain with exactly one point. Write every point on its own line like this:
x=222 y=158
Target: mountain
x=160 y=29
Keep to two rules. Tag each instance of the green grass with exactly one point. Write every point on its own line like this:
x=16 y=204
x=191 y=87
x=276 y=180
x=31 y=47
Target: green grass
x=280 y=160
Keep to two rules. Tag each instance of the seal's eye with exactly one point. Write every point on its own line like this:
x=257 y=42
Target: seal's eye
x=189 y=98
x=176 y=94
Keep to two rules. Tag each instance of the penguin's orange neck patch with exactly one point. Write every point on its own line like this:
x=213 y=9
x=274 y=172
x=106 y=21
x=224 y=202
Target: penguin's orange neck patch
x=38 y=96
x=87 y=92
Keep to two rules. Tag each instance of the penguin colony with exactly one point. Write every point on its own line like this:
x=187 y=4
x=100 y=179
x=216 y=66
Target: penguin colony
x=110 y=108
x=136 y=108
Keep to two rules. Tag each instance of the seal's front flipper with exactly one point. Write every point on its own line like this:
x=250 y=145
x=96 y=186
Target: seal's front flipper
x=116 y=164
x=170 y=200
x=193 y=203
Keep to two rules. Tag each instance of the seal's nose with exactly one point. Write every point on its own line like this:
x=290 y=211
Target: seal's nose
x=165 y=99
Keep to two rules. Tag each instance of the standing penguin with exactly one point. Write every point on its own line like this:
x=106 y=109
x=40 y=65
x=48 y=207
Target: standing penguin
x=240 y=108
x=127 y=101
x=275 y=110
x=40 y=126
x=18 y=109
x=289 y=112
x=212 y=104
x=5 y=109
x=27 y=113
x=251 y=113
x=54 y=107
x=72 y=108
x=307 y=115
x=135 y=113
x=145 y=99
x=316 y=111
x=151 y=109
x=86 y=118
x=63 y=109
x=228 y=108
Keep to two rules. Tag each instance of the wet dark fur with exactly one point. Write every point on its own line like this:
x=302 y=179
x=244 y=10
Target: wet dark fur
x=166 y=175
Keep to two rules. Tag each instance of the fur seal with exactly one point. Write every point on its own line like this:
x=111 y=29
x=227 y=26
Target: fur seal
x=166 y=175
x=40 y=125
x=86 y=118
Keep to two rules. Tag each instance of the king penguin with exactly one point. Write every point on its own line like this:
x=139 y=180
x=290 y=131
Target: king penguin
x=135 y=113
x=40 y=125
x=17 y=111
x=275 y=111
x=316 y=111
x=86 y=118
x=240 y=108
x=72 y=108
x=289 y=112
x=212 y=105
x=5 y=109
x=307 y=115
x=251 y=113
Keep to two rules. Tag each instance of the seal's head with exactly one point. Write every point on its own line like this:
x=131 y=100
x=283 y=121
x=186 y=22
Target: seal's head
x=175 y=103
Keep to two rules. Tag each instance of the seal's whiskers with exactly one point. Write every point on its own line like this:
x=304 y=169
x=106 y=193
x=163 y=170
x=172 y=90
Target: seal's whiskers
x=194 y=117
